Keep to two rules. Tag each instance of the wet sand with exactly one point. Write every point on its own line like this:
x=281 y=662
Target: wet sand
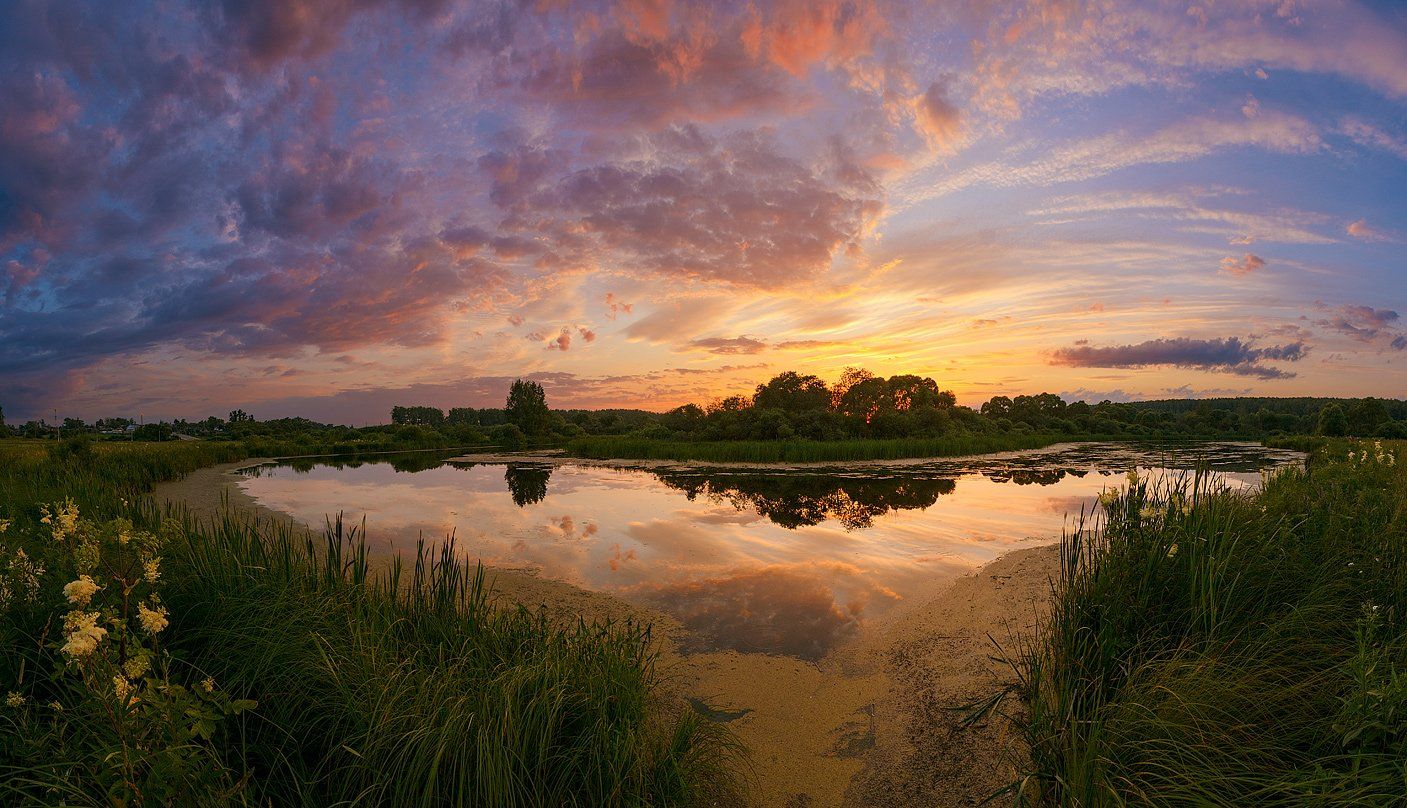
x=866 y=725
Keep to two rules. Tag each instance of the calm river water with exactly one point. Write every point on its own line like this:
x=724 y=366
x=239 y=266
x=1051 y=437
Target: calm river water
x=788 y=561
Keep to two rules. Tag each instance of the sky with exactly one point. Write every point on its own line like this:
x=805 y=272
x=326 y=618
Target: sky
x=327 y=207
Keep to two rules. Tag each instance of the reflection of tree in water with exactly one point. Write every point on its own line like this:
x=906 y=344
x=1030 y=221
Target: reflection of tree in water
x=410 y=462
x=527 y=484
x=798 y=500
x=1030 y=476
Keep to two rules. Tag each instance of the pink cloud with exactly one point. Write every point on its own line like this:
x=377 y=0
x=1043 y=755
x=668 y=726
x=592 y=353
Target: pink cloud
x=1245 y=265
x=1362 y=230
x=938 y=120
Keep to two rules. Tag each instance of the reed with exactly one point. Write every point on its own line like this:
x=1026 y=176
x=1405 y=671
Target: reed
x=1209 y=647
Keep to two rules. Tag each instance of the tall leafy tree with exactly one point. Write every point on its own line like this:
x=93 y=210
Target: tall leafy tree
x=1332 y=421
x=527 y=407
x=793 y=392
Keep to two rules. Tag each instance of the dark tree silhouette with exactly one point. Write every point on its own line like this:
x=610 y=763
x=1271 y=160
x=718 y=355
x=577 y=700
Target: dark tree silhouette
x=527 y=407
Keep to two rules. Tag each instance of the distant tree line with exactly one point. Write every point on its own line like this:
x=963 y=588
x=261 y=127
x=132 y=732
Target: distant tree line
x=788 y=406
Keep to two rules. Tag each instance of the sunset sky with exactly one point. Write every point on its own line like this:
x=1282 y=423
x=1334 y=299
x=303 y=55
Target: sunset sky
x=326 y=208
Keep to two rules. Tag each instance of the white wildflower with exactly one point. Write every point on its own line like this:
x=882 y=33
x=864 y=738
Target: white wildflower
x=25 y=575
x=82 y=632
x=153 y=620
x=4 y=525
x=1172 y=550
x=122 y=688
x=62 y=519
x=80 y=592
x=14 y=700
x=208 y=684
x=1150 y=512
x=151 y=570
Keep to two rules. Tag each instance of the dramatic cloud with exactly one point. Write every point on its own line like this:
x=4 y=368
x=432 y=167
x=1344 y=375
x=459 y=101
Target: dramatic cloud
x=1218 y=355
x=735 y=208
x=300 y=199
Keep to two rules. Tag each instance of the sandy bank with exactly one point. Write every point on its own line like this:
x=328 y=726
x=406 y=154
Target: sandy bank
x=864 y=726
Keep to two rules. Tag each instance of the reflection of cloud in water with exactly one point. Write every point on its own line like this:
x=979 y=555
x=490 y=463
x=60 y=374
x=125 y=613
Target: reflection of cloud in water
x=784 y=560
x=564 y=527
x=785 y=610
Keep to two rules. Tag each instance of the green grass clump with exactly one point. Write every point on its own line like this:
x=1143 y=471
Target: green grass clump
x=371 y=683
x=615 y=447
x=1208 y=647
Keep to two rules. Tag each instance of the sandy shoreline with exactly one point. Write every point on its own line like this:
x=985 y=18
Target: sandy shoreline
x=864 y=726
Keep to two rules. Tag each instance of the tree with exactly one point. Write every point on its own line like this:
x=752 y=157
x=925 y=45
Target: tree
x=4 y=430
x=527 y=407
x=792 y=392
x=998 y=407
x=849 y=377
x=688 y=418
x=1366 y=417
x=1332 y=421
x=238 y=416
x=866 y=398
x=417 y=416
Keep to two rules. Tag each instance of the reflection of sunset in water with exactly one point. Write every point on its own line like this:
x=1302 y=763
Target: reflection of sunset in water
x=757 y=560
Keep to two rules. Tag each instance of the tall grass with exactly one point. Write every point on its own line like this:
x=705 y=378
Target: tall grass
x=396 y=683
x=624 y=447
x=1208 y=647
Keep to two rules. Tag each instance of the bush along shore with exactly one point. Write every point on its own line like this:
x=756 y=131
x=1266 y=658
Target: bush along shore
x=803 y=451
x=1208 y=647
x=146 y=659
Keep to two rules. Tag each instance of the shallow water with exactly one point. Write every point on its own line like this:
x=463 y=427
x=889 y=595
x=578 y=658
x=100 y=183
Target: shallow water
x=773 y=560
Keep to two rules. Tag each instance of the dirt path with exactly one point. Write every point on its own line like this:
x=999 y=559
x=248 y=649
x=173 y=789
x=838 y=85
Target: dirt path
x=866 y=726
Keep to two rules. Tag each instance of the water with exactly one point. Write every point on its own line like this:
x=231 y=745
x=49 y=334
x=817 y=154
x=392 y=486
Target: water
x=786 y=561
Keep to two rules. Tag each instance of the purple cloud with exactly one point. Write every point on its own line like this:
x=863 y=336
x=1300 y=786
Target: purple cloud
x=1219 y=355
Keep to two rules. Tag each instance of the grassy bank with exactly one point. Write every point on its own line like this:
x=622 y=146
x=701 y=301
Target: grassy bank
x=802 y=451
x=1214 y=648
x=226 y=663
